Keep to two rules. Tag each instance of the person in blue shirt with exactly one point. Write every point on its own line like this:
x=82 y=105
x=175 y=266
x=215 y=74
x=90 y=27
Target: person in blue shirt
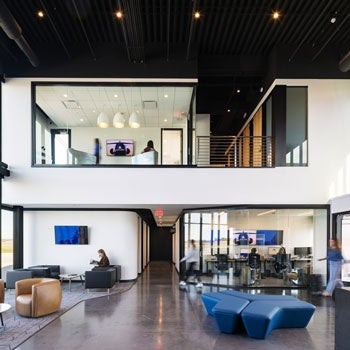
x=335 y=259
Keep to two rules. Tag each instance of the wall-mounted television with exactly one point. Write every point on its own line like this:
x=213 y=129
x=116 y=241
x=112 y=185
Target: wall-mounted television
x=71 y=235
x=269 y=237
x=116 y=147
x=244 y=237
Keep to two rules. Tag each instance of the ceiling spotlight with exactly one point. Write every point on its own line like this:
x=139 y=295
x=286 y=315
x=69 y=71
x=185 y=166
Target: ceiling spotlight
x=333 y=19
x=40 y=14
x=275 y=15
x=197 y=15
x=119 y=14
x=238 y=91
x=228 y=110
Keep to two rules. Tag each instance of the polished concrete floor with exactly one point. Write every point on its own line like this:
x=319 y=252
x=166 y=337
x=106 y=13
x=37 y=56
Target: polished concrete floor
x=156 y=314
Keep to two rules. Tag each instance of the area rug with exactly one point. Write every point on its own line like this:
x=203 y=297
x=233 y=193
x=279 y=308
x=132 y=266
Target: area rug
x=18 y=329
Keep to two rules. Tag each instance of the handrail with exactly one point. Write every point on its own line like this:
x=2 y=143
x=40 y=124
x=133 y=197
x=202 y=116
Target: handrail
x=235 y=151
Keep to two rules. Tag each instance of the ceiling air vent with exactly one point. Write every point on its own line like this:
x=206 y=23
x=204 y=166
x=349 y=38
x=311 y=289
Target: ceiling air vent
x=149 y=104
x=71 y=104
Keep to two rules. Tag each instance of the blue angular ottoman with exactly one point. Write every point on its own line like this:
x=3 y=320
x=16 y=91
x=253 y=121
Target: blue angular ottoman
x=261 y=317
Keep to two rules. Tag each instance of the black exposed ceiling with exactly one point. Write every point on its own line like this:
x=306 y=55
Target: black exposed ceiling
x=234 y=45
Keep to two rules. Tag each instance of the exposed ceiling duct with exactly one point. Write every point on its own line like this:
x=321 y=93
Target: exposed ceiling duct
x=344 y=63
x=14 y=32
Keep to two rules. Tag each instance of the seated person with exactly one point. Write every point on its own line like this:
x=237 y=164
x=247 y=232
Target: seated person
x=150 y=147
x=104 y=261
x=282 y=250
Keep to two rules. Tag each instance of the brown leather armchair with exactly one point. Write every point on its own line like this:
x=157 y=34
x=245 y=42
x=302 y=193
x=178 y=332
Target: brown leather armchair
x=2 y=291
x=36 y=297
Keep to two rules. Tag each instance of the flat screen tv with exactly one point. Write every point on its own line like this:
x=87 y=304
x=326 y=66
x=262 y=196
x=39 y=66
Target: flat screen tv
x=244 y=237
x=71 y=235
x=117 y=147
x=269 y=237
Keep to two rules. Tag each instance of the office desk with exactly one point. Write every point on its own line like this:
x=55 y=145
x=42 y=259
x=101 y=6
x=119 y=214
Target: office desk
x=300 y=262
x=235 y=263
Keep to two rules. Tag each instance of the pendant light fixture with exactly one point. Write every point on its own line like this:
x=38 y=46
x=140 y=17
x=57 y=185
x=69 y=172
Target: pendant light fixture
x=118 y=120
x=103 y=120
x=134 y=120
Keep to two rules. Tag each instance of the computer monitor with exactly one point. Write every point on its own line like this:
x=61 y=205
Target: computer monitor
x=273 y=250
x=302 y=251
x=245 y=252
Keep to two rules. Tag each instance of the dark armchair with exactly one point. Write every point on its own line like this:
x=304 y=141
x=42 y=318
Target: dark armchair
x=101 y=277
x=12 y=276
x=49 y=271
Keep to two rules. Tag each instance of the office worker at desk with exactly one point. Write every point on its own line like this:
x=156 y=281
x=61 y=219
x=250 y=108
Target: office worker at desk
x=282 y=250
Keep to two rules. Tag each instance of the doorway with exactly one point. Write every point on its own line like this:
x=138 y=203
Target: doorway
x=161 y=244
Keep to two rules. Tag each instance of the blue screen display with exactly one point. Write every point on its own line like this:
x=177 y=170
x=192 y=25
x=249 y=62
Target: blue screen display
x=269 y=237
x=71 y=234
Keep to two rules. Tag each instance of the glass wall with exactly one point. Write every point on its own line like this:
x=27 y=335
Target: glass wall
x=6 y=242
x=236 y=231
x=68 y=117
x=296 y=126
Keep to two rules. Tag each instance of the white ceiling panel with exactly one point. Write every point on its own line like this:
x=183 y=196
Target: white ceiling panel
x=148 y=101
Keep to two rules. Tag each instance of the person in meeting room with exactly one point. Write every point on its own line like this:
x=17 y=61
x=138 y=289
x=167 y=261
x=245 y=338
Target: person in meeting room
x=335 y=258
x=150 y=147
x=104 y=261
x=282 y=250
x=192 y=258
x=97 y=150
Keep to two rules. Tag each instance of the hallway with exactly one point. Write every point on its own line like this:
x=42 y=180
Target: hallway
x=156 y=314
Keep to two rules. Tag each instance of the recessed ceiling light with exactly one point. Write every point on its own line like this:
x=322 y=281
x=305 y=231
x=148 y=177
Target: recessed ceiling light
x=115 y=95
x=165 y=120
x=119 y=14
x=238 y=91
x=81 y=119
x=228 y=110
x=65 y=95
x=40 y=14
x=197 y=15
x=275 y=15
x=166 y=95
x=333 y=19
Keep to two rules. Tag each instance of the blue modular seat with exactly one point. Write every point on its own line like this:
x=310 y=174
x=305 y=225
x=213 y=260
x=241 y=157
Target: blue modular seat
x=252 y=297
x=227 y=313
x=260 y=317
x=258 y=313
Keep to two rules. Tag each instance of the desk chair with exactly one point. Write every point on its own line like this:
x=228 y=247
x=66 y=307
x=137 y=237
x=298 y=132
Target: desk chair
x=282 y=264
x=255 y=265
x=221 y=264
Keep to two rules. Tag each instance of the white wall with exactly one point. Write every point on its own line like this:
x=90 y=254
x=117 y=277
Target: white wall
x=115 y=232
x=326 y=176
